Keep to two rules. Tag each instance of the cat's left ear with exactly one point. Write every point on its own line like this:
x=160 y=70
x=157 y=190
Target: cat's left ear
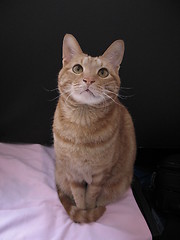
x=114 y=54
x=70 y=48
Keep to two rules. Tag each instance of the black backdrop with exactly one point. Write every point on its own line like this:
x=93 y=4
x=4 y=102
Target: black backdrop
x=31 y=34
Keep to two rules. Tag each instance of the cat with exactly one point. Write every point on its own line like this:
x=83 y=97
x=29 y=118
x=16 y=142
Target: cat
x=94 y=136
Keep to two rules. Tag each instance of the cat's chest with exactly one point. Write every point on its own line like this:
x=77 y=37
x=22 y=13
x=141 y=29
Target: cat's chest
x=80 y=171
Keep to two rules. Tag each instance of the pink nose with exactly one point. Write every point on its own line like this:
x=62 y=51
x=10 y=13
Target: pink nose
x=88 y=81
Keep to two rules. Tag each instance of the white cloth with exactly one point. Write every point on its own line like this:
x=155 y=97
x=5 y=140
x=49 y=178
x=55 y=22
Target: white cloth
x=30 y=208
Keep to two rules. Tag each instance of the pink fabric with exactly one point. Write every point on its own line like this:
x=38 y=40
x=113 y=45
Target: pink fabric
x=30 y=208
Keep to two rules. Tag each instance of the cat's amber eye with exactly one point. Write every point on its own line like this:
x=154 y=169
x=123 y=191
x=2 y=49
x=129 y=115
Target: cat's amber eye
x=77 y=69
x=103 y=72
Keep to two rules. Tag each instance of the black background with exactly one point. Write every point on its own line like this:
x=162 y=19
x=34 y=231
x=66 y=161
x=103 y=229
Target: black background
x=31 y=34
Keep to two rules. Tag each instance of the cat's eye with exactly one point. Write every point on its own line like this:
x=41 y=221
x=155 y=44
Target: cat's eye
x=77 y=69
x=103 y=72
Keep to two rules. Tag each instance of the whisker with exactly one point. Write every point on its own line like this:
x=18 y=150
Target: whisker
x=104 y=102
x=111 y=99
x=67 y=98
x=112 y=92
x=120 y=95
x=50 y=90
x=106 y=90
x=53 y=99
x=126 y=97
x=126 y=88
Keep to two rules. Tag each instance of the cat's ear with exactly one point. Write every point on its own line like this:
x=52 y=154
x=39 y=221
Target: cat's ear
x=70 y=48
x=114 y=53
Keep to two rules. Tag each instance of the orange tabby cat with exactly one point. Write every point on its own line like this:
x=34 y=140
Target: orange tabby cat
x=94 y=136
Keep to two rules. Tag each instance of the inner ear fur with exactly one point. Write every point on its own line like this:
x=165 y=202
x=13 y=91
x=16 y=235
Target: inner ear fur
x=114 y=54
x=71 y=48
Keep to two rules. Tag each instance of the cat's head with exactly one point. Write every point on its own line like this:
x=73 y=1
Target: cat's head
x=90 y=80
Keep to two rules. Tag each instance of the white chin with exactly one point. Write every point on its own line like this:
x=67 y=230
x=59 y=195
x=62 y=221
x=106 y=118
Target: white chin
x=87 y=98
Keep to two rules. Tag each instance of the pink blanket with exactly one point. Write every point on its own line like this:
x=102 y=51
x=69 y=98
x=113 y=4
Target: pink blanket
x=30 y=208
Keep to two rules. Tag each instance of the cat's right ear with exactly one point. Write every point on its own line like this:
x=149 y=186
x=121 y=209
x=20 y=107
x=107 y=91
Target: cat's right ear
x=70 y=48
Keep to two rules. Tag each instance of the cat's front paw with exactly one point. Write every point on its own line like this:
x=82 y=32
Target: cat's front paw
x=90 y=204
x=81 y=205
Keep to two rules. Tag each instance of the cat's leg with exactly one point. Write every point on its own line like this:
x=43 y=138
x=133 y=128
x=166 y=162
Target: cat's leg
x=62 y=182
x=93 y=191
x=78 y=192
x=114 y=191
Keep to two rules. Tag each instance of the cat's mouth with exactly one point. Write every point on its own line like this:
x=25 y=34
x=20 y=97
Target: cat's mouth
x=88 y=91
x=87 y=96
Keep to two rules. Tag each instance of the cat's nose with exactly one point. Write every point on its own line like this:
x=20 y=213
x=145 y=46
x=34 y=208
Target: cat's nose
x=88 y=81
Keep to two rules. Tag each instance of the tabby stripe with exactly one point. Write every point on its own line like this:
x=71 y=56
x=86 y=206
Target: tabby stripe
x=95 y=144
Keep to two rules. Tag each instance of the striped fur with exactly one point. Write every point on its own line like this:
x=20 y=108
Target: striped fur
x=94 y=137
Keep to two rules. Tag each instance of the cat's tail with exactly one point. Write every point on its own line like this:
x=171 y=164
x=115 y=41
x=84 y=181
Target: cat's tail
x=80 y=215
